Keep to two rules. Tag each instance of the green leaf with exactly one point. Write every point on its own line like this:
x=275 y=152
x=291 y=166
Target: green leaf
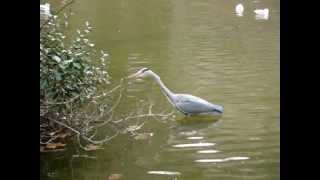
x=58 y=76
x=56 y=58
x=77 y=65
x=62 y=66
x=43 y=84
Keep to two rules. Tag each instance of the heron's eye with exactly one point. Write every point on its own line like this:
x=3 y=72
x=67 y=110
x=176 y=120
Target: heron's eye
x=144 y=70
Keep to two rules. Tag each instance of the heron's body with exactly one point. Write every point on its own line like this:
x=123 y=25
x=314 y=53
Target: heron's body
x=185 y=103
x=192 y=105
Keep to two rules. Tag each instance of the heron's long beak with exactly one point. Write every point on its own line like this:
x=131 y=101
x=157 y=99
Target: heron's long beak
x=135 y=75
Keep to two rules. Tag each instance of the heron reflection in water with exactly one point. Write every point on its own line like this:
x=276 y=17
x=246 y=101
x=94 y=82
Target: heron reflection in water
x=187 y=104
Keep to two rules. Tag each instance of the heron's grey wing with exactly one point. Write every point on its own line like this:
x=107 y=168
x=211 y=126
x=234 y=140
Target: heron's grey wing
x=192 y=105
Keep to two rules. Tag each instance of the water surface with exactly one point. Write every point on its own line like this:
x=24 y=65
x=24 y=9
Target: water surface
x=197 y=47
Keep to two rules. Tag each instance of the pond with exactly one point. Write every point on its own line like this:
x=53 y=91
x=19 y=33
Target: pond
x=197 y=47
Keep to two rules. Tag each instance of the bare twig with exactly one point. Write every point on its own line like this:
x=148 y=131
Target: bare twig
x=64 y=102
x=66 y=126
x=150 y=114
x=118 y=100
x=111 y=91
x=79 y=142
x=150 y=108
x=86 y=125
x=94 y=134
x=105 y=122
x=50 y=140
x=106 y=139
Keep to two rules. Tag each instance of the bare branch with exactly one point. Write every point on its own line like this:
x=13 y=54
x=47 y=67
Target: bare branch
x=150 y=114
x=59 y=103
x=106 y=139
x=116 y=104
x=86 y=125
x=50 y=140
x=105 y=122
x=79 y=142
x=94 y=134
x=111 y=91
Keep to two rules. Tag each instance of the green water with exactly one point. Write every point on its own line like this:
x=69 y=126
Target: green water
x=196 y=47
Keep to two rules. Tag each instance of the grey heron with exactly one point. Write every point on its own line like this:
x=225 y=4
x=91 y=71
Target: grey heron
x=185 y=103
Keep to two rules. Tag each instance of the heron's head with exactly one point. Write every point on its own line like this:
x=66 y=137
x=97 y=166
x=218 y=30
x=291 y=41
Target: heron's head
x=142 y=73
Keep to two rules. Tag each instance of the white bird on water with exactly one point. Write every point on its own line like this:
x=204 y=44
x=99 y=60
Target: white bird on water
x=262 y=14
x=239 y=9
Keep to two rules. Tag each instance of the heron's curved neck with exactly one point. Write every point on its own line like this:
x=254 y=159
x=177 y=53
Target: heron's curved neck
x=163 y=88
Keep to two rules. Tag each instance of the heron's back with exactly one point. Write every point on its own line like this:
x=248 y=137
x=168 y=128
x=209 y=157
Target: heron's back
x=190 y=104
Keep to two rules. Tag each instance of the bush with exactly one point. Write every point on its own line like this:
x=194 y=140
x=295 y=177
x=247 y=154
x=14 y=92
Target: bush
x=69 y=76
x=68 y=73
x=69 y=98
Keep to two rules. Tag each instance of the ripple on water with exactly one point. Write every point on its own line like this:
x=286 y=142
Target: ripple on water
x=170 y=173
x=210 y=160
x=194 y=145
x=195 y=137
x=208 y=151
x=237 y=158
x=188 y=133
